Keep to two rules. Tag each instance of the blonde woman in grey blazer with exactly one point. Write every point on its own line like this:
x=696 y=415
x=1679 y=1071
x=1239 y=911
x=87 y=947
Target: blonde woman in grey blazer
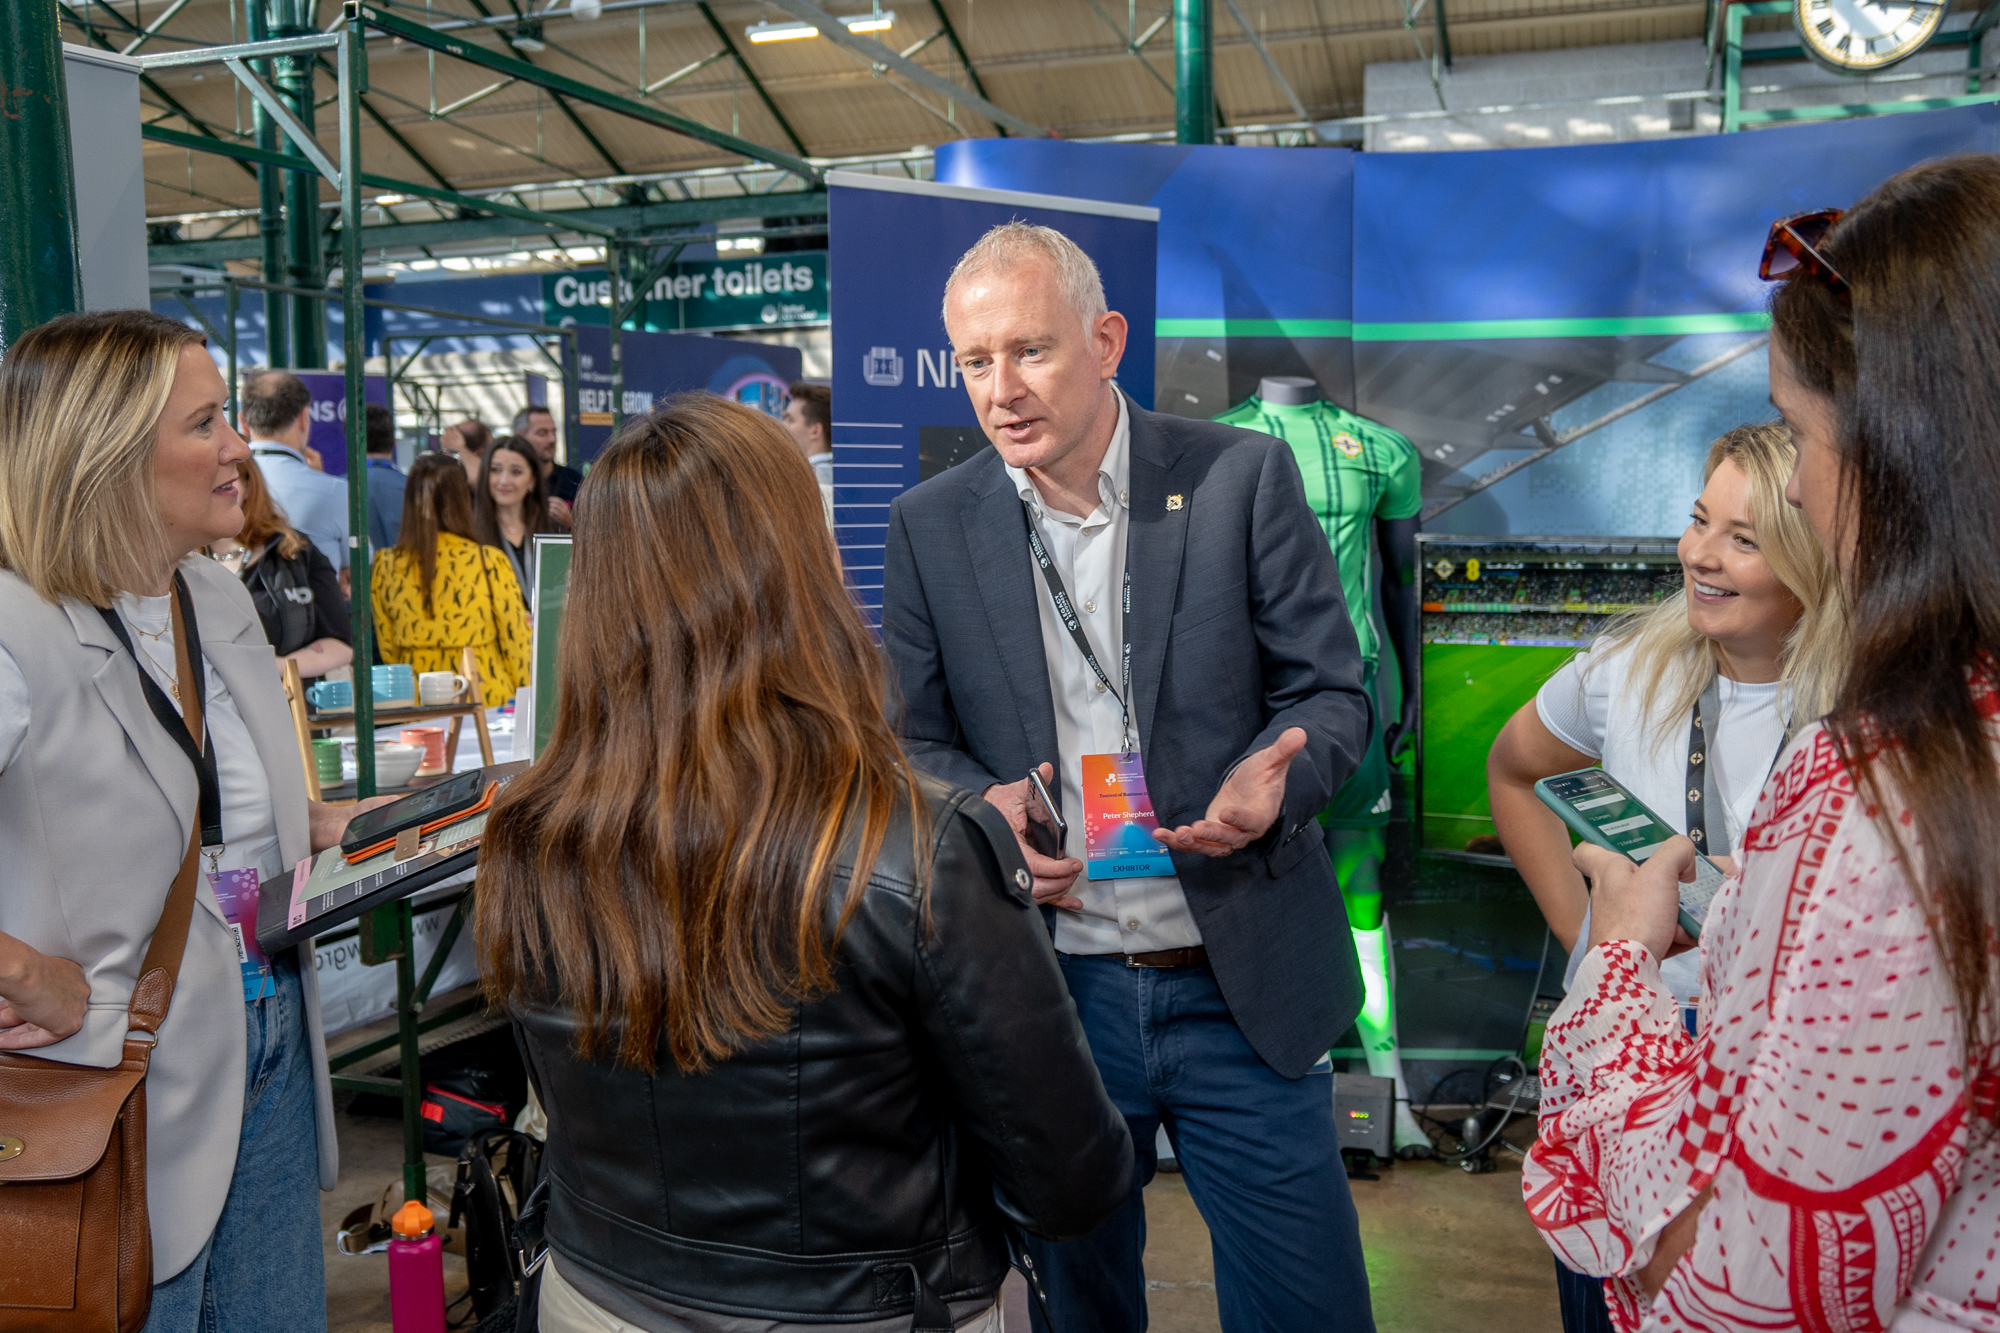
x=116 y=466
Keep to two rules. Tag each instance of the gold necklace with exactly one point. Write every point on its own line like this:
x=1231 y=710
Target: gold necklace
x=173 y=679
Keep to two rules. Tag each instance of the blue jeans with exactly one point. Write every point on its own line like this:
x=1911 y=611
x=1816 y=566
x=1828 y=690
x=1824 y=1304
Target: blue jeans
x=1581 y=1299
x=1257 y=1151
x=263 y=1267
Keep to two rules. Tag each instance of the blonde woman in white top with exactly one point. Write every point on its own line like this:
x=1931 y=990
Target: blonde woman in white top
x=1759 y=630
x=117 y=466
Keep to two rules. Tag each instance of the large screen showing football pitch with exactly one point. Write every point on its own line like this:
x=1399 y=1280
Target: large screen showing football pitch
x=1500 y=615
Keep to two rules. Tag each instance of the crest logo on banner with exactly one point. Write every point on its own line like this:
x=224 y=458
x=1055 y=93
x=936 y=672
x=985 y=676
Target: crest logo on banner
x=882 y=367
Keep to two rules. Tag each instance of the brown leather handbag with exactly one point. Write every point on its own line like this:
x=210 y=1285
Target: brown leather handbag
x=76 y=1245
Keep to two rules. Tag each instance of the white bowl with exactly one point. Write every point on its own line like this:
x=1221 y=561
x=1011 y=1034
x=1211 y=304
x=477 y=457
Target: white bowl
x=396 y=763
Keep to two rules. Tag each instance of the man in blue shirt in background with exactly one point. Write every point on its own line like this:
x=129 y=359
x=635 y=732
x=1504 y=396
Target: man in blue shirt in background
x=277 y=416
x=385 y=480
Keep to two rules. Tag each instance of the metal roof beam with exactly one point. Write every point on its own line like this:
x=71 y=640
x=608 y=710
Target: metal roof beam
x=152 y=85
x=755 y=83
x=951 y=35
x=637 y=218
x=1264 y=54
x=395 y=135
x=289 y=162
x=835 y=31
x=419 y=35
x=1137 y=45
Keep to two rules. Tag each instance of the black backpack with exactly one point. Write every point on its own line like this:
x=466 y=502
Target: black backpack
x=497 y=1172
x=282 y=592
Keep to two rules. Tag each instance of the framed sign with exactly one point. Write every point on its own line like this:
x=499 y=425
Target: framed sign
x=550 y=592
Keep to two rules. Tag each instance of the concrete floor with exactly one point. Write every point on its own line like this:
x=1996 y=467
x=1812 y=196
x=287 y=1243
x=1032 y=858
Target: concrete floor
x=1445 y=1249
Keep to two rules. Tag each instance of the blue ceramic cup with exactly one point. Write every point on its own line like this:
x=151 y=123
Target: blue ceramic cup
x=397 y=681
x=331 y=694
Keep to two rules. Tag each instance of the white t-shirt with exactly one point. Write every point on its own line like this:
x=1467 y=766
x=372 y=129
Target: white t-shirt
x=1591 y=706
x=249 y=822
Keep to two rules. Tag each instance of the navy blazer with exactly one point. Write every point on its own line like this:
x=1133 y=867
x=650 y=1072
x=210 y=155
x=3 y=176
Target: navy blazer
x=1238 y=631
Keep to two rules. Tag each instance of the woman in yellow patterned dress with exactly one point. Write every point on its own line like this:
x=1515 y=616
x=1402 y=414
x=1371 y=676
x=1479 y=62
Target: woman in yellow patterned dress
x=438 y=591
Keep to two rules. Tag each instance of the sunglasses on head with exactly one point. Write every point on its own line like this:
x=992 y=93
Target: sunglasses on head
x=1793 y=246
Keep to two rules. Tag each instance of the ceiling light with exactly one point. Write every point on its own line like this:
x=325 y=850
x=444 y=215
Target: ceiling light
x=528 y=37
x=880 y=21
x=586 y=10
x=779 y=32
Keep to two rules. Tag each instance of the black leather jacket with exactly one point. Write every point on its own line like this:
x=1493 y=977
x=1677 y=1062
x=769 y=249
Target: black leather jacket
x=946 y=1082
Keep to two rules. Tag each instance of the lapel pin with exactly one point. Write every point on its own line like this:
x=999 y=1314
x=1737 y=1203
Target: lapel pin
x=1173 y=503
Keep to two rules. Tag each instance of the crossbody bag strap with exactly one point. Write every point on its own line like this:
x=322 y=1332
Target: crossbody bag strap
x=160 y=970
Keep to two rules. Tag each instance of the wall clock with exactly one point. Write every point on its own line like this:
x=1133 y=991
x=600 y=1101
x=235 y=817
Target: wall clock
x=1865 y=36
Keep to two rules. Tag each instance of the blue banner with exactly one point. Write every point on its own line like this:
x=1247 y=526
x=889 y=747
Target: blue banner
x=900 y=413
x=658 y=364
x=1256 y=259
x=1601 y=299
x=329 y=412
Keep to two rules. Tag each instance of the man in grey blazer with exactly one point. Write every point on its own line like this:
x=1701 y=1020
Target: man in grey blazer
x=1182 y=556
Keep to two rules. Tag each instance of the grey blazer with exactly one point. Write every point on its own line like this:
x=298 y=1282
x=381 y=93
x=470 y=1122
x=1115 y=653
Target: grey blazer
x=95 y=815
x=1238 y=631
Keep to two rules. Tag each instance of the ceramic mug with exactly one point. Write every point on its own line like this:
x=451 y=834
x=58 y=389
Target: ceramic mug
x=440 y=687
x=326 y=760
x=331 y=694
x=396 y=681
x=432 y=739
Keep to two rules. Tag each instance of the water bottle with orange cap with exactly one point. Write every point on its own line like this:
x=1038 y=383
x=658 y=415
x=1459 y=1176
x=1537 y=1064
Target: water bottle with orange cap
x=416 y=1272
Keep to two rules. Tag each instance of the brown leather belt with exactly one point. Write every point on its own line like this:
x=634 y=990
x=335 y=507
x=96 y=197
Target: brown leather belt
x=1168 y=957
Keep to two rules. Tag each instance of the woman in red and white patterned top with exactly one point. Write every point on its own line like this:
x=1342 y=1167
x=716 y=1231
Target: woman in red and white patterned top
x=1824 y=1155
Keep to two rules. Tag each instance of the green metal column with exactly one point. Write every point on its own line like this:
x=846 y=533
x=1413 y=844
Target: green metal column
x=1732 y=69
x=307 y=266
x=353 y=66
x=38 y=273
x=615 y=265
x=270 y=212
x=1194 y=71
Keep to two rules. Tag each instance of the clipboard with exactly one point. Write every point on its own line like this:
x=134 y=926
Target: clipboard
x=325 y=890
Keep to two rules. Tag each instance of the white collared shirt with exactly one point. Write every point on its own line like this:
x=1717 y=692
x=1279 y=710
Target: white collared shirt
x=311 y=501
x=1118 y=915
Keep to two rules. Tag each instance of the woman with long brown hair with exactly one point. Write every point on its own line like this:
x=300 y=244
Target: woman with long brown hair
x=1822 y=1156
x=438 y=591
x=800 y=1033
x=294 y=586
x=511 y=505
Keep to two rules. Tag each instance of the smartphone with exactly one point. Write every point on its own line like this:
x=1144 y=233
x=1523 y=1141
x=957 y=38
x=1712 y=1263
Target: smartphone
x=1046 y=829
x=1592 y=803
x=374 y=827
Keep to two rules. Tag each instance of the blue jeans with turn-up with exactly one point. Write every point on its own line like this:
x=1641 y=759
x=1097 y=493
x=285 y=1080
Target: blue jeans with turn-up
x=1257 y=1151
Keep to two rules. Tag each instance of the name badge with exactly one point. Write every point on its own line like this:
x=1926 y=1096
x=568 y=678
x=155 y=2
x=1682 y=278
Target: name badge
x=236 y=891
x=1118 y=819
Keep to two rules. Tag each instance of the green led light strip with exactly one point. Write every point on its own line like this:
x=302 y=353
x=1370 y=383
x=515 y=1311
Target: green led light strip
x=1755 y=321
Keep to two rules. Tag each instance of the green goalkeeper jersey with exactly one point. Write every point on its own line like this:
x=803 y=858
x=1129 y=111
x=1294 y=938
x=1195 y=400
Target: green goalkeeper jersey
x=1355 y=472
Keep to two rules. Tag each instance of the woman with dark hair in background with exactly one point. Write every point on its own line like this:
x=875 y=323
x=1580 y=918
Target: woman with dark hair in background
x=512 y=505
x=439 y=591
x=1823 y=1155
x=785 y=1000
x=295 y=589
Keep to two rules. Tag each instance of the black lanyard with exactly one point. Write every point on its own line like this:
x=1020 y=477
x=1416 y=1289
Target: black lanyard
x=202 y=757
x=1066 y=612
x=1702 y=789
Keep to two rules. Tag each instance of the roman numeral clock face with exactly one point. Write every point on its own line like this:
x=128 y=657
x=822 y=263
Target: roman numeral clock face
x=1865 y=36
